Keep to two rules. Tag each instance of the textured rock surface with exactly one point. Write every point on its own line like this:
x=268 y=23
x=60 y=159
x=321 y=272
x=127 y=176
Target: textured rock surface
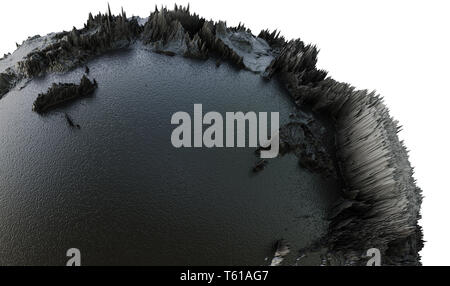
x=63 y=92
x=382 y=202
x=381 y=207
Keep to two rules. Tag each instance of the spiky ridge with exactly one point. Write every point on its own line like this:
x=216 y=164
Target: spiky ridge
x=381 y=204
x=196 y=35
x=6 y=82
x=75 y=47
x=60 y=93
x=385 y=202
x=100 y=34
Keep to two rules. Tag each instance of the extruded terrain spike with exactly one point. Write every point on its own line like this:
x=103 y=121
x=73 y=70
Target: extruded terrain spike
x=381 y=202
x=63 y=92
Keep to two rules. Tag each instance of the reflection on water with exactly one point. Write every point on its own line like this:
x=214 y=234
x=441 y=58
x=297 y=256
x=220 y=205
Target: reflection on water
x=117 y=190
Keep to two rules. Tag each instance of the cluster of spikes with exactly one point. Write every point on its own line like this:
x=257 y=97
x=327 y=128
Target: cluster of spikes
x=63 y=92
x=197 y=36
x=381 y=202
x=75 y=47
x=70 y=49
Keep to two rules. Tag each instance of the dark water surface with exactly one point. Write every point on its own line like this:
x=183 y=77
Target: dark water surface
x=121 y=193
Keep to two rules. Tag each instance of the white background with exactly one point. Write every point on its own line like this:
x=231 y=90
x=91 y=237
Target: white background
x=399 y=48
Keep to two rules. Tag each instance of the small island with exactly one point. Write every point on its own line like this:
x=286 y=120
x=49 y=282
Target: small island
x=60 y=93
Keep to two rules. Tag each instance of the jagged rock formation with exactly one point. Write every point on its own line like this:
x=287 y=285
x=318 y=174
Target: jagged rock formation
x=281 y=250
x=381 y=206
x=166 y=31
x=6 y=82
x=189 y=35
x=66 y=50
x=298 y=138
x=100 y=34
x=63 y=92
x=381 y=192
x=381 y=203
x=303 y=136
